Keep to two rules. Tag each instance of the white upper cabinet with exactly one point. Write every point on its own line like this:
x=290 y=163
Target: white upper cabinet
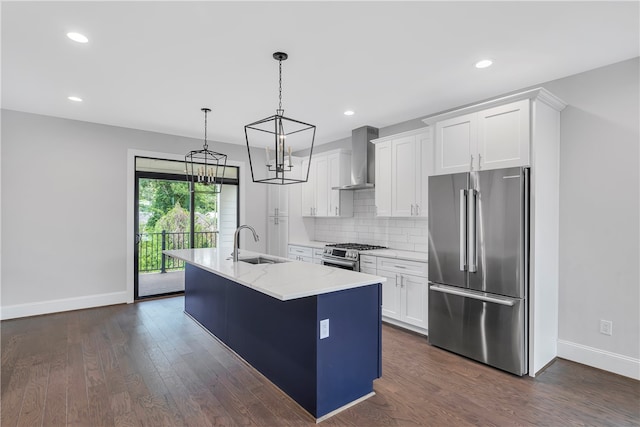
x=322 y=185
x=492 y=138
x=277 y=200
x=383 y=178
x=503 y=136
x=456 y=144
x=328 y=170
x=402 y=167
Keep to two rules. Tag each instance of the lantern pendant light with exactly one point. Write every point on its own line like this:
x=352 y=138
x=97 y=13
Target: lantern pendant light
x=280 y=136
x=205 y=169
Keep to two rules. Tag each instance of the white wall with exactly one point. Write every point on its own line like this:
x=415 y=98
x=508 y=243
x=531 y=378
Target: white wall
x=64 y=209
x=600 y=217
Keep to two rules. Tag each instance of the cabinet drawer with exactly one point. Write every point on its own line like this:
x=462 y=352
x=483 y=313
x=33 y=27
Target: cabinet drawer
x=301 y=251
x=317 y=253
x=402 y=266
x=301 y=258
x=368 y=270
x=368 y=262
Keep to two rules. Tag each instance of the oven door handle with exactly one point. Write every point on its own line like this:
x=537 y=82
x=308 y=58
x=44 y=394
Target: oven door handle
x=337 y=261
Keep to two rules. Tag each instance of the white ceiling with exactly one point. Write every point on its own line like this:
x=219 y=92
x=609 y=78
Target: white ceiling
x=153 y=65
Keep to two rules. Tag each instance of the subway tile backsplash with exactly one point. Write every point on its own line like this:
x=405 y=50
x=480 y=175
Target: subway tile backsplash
x=409 y=234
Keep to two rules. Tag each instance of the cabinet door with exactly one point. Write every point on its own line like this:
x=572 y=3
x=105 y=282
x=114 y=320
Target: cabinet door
x=277 y=236
x=322 y=186
x=455 y=145
x=414 y=299
x=503 y=136
x=334 y=178
x=390 y=295
x=404 y=168
x=309 y=190
x=278 y=200
x=424 y=155
x=383 y=179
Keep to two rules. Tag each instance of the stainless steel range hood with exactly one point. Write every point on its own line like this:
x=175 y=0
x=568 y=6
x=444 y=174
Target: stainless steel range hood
x=362 y=159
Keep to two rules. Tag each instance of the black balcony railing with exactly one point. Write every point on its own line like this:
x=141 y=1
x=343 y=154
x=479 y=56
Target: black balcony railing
x=151 y=245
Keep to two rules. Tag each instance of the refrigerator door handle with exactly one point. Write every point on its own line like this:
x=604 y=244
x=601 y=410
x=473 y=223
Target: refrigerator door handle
x=471 y=230
x=463 y=230
x=453 y=291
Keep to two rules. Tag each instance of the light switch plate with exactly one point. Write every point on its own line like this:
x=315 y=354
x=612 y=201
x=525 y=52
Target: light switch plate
x=324 y=329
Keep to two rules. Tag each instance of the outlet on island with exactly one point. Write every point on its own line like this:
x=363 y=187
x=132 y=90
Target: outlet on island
x=324 y=329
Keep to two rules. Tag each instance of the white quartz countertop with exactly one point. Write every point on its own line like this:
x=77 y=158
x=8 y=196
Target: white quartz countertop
x=284 y=281
x=393 y=253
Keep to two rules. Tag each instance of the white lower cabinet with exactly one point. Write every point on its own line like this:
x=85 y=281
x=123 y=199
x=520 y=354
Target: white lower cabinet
x=305 y=253
x=405 y=293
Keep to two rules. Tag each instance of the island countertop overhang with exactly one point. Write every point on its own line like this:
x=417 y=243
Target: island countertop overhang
x=284 y=281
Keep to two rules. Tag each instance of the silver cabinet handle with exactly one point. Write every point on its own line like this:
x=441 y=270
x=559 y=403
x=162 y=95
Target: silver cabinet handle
x=471 y=163
x=400 y=266
x=463 y=231
x=479 y=161
x=471 y=230
x=396 y=280
x=417 y=209
x=402 y=281
x=412 y=209
x=336 y=211
x=468 y=294
x=366 y=262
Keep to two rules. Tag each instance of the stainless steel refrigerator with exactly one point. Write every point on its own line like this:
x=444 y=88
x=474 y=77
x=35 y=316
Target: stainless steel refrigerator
x=478 y=265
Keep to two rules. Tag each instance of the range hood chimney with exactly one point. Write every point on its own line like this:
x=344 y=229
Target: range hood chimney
x=362 y=158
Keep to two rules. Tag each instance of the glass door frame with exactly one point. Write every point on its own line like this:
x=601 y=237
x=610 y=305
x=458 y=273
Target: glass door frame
x=136 y=225
x=136 y=220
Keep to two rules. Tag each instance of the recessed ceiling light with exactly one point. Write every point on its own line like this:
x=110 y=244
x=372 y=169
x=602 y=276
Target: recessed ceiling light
x=74 y=99
x=484 y=63
x=77 y=37
x=349 y=113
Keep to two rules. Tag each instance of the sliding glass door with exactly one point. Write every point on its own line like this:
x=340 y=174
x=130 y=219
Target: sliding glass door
x=169 y=216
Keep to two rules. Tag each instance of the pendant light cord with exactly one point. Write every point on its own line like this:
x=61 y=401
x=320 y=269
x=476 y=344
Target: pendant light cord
x=280 y=110
x=205 y=130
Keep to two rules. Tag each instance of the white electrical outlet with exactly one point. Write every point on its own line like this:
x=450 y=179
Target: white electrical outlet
x=324 y=329
x=606 y=327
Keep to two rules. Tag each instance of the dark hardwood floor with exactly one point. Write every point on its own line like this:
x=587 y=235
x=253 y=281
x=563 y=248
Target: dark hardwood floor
x=149 y=364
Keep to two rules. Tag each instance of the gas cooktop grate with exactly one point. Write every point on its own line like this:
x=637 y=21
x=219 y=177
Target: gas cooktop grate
x=355 y=246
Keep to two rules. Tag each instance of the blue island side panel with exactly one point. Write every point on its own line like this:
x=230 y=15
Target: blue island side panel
x=205 y=299
x=350 y=358
x=281 y=339
x=278 y=338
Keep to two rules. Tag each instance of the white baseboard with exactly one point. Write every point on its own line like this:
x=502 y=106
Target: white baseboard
x=65 y=304
x=405 y=325
x=601 y=359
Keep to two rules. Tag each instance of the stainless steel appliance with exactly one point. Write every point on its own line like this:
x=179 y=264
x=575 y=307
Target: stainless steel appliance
x=478 y=265
x=345 y=255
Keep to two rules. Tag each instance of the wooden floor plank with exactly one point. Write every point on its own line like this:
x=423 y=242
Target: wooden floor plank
x=55 y=409
x=148 y=364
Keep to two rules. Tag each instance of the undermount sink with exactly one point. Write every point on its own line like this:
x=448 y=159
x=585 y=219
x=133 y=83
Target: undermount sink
x=262 y=260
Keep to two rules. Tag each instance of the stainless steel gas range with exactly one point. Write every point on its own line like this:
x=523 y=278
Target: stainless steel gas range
x=345 y=255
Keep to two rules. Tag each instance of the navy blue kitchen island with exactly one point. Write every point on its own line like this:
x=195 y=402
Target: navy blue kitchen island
x=278 y=330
